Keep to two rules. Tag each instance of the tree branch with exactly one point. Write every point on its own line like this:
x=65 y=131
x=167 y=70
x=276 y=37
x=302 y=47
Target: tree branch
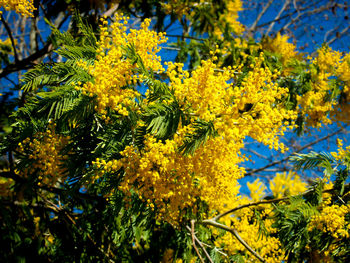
x=26 y=63
x=287 y=157
x=235 y=234
x=253 y=27
x=194 y=242
x=111 y=11
x=338 y=35
x=8 y=29
x=276 y=200
x=286 y=3
x=248 y=205
x=194 y=238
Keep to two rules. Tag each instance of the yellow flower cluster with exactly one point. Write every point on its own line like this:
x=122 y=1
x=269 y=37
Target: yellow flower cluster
x=6 y=185
x=179 y=7
x=261 y=116
x=257 y=190
x=230 y=17
x=285 y=184
x=282 y=47
x=23 y=7
x=250 y=109
x=332 y=221
x=113 y=72
x=343 y=69
x=244 y=222
x=313 y=103
x=157 y=175
x=45 y=152
x=5 y=46
x=206 y=92
x=343 y=72
x=171 y=182
x=341 y=153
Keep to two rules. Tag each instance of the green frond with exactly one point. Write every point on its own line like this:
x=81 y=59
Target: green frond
x=85 y=35
x=139 y=136
x=339 y=184
x=346 y=160
x=262 y=232
x=63 y=37
x=130 y=53
x=38 y=77
x=63 y=103
x=314 y=196
x=291 y=222
x=54 y=75
x=202 y=131
x=312 y=160
x=158 y=90
x=86 y=30
x=70 y=73
x=114 y=139
x=162 y=119
x=77 y=52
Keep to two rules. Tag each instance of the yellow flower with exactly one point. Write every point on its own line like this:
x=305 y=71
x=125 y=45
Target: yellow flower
x=284 y=184
x=114 y=75
x=342 y=153
x=332 y=220
x=257 y=190
x=280 y=45
x=45 y=152
x=23 y=7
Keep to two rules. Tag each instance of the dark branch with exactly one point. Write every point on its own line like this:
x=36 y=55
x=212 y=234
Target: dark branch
x=8 y=29
x=26 y=63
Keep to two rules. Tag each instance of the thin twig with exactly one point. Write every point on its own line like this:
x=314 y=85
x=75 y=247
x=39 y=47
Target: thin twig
x=276 y=200
x=26 y=63
x=111 y=11
x=286 y=3
x=60 y=210
x=338 y=36
x=253 y=27
x=188 y=37
x=286 y=15
x=287 y=157
x=236 y=235
x=248 y=205
x=200 y=244
x=8 y=29
x=194 y=242
x=172 y=48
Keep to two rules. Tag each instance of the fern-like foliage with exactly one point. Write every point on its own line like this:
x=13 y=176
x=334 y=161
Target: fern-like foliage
x=314 y=196
x=72 y=49
x=162 y=119
x=202 y=131
x=312 y=160
x=339 y=184
x=292 y=221
x=52 y=75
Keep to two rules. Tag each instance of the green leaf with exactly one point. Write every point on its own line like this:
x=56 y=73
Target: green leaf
x=202 y=132
x=162 y=119
x=312 y=160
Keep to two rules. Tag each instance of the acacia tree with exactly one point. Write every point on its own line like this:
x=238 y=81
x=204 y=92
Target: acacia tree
x=113 y=154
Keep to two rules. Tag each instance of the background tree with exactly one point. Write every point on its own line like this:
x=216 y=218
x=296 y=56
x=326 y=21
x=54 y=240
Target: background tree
x=110 y=154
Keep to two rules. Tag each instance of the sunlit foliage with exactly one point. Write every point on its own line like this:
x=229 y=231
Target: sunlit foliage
x=101 y=171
